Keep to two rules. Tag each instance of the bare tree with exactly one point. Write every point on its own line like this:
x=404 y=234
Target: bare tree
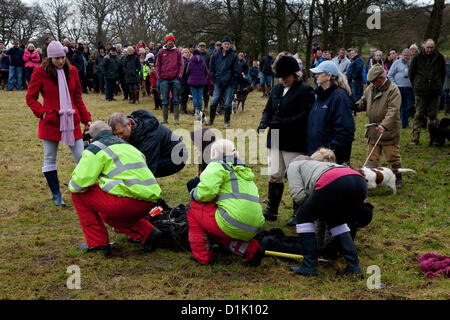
x=55 y=18
x=435 y=24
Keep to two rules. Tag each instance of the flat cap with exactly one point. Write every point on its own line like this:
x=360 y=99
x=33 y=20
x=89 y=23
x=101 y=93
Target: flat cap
x=374 y=72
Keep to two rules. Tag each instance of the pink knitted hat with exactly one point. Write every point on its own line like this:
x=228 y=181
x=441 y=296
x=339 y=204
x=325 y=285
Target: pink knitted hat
x=55 y=50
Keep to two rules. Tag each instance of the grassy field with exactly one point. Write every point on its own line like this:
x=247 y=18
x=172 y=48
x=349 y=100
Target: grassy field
x=37 y=239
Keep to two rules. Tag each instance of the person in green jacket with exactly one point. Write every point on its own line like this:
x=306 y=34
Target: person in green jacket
x=225 y=207
x=112 y=184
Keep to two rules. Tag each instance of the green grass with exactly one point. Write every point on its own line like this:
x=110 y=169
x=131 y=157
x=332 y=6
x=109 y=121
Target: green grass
x=37 y=239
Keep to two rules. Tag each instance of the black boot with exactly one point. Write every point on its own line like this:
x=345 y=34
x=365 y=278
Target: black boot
x=226 y=118
x=152 y=241
x=106 y=250
x=212 y=115
x=350 y=255
x=293 y=220
x=309 y=265
x=275 y=194
x=53 y=183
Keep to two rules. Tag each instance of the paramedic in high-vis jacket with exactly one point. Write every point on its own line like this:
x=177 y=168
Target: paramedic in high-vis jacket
x=112 y=184
x=225 y=207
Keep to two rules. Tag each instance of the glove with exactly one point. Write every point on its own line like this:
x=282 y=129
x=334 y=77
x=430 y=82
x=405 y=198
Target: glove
x=275 y=123
x=30 y=58
x=262 y=126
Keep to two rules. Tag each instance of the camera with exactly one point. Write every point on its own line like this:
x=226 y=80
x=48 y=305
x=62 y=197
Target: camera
x=86 y=139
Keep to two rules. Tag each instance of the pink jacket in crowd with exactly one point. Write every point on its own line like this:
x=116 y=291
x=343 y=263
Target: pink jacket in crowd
x=35 y=58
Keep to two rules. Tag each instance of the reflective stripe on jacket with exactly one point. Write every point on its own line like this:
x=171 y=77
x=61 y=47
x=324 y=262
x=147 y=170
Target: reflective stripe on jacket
x=232 y=187
x=118 y=168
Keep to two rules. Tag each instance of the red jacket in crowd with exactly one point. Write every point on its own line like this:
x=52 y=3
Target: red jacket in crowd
x=169 y=64
x=49 y=127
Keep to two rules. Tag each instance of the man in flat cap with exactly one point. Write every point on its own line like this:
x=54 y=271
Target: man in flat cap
x=382 y=100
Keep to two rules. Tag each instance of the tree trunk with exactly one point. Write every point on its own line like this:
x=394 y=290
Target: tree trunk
x=435 y=23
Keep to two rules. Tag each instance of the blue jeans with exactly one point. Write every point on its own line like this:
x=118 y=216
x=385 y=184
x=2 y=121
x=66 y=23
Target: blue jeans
x=197 y=96
x=266 y=80
x=407 y=94
x=226 y=92
x=29 y=72
x=357 y=89
x=166 y=86
x=110 y=85
x=133 y=86
x=15 y=73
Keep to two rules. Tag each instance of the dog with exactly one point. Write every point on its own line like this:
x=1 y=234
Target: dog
x=157 y=98
x=439 y=133
x=382 y=177
x=240 y=95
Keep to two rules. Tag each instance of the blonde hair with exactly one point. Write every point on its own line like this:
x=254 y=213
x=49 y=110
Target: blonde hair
x=341 y=82
x=30 y=44
x=141 y=51
x=324 y=155
x=223 y=148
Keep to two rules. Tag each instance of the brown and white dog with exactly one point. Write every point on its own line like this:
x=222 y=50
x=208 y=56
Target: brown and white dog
x=382 y=176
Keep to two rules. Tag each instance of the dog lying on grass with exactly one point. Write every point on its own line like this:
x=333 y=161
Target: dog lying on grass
x=382 y=177
x=439 y=133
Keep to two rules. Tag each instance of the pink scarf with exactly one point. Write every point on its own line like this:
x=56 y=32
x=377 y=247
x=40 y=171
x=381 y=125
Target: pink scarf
x=66 y=112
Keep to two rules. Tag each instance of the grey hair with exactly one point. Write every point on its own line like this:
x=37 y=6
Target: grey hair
x=97 y=127
x=414 y=46
x=117 y=118
x=406 y=50
x=341 y=82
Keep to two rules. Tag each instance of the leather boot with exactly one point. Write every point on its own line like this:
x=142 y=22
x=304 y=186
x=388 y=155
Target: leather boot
x=293 y=220
x=275 y=194
x=165 y=109
x=212 y=115
x=350 y=255
x=132 y=96
x=102 y=89
x=308 y=245
x=53 y=183
x=263 y=90
x=226 y=118
x=176 y=113
x=136 y=96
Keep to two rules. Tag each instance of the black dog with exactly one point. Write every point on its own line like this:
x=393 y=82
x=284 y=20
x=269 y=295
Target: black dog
x=438 y=133
x=240 y=95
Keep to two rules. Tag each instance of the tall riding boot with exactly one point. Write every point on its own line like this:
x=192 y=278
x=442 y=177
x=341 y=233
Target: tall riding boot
x=350 y=255
x=136 y=96
x=293 y=220
x=212 y=115
x=176 y=113
x=132 y=97
x=53 y=183
x=263 y=90
x=398 y=176
x=308 y=245
x=165 y=109
x=275 y=194
x=226 y=118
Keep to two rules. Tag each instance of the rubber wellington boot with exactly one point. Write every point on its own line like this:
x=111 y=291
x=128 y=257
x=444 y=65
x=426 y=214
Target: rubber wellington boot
x=165 y=109
x=308 y=245
x=350 y=255
x=176 y=113
x=293 y=220
x=212 y=116
x=53 y=183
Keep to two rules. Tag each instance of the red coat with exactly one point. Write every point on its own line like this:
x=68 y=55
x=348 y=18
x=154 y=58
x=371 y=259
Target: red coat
x=49 y=128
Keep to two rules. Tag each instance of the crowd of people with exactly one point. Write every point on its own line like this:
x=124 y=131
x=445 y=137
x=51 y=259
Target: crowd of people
x=309 y=142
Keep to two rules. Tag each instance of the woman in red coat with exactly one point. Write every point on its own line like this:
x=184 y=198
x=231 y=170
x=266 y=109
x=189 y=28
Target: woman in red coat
x=61 y=113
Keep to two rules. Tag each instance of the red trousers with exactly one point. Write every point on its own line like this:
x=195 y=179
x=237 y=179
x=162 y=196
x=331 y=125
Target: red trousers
x=126 y=215
x=203 y=226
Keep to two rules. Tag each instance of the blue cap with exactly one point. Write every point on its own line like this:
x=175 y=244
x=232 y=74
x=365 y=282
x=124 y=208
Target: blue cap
x=327 y=67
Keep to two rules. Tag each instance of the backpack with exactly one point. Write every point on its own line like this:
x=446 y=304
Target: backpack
x=174 y=226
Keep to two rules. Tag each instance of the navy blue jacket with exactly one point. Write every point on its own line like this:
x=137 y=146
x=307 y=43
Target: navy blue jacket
x=4 y=64
x=16 y=57
x=355 y=69
x=265 y=65
x=331 y=124
x=154 y=140
x=225 y=69
x=291 y=111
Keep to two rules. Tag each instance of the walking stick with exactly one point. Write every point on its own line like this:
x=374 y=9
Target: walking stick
x=297 y=257
x=373 y=149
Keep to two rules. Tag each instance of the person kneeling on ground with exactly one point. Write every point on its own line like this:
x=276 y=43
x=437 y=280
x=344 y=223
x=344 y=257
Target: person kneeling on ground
x=165 y=153
x=122 y=197
x=329 y=192
x=225 y=207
